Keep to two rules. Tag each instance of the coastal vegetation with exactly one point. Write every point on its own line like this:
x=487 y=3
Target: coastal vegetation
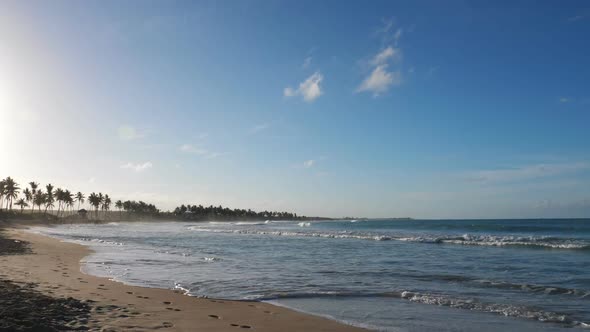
x=51 y=202
x=199 y=212
x=34 y=200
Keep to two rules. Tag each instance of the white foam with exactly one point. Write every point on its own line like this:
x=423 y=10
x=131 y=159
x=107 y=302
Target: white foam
x=466 y=239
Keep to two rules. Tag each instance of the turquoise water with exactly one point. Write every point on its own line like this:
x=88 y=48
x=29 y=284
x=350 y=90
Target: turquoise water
x=394 y=275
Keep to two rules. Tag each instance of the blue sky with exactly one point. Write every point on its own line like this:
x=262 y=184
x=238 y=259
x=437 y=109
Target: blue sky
x=423 y=109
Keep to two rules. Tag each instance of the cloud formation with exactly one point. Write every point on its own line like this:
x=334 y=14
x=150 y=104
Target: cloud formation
x=258 y=128
x=308 y=163
x=309 y=90
x=128 y=133
x=306 y=62
x=137 y=167
x=380 y=80
x=383 y=56
x=527 y=172
x=188 y=148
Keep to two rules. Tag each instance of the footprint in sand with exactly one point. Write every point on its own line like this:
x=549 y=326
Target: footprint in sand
x=241 y=326
x=214 y=316
x=167 y=302
x=167 y=324
x=129 y=292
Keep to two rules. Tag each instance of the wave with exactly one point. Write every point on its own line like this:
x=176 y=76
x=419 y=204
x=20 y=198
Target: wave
x=466 y=239
x=473 y=304
x=500 y=241
x=304 y=224
x=548 y=290
x=473 y=281
x=94 y=240
x=249 y=223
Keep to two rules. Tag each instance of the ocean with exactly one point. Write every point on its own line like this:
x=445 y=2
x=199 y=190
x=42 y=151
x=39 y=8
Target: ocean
x=389 y=275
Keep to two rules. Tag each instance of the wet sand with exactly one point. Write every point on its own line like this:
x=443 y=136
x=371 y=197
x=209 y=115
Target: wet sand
x=51 y=271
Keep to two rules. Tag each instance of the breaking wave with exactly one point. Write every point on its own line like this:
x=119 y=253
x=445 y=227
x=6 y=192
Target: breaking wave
x=473 y=304
x=466 y=239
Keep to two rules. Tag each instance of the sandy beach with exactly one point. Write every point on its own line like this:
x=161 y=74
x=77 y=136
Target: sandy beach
x=47 y=269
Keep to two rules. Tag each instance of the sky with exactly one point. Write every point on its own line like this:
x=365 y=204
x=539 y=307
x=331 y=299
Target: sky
x=423 y=109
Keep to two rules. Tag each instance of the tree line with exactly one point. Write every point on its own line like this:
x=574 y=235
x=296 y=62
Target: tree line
x=68 y=203
x=37 y=197
x=200 y=212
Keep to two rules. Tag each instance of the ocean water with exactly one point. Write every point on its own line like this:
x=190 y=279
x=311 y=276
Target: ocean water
x=390 y=275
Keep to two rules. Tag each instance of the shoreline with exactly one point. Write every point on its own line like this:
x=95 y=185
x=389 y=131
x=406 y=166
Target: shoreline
x=55 y=267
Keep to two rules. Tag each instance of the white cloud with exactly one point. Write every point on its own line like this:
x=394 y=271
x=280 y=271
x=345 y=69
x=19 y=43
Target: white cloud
x=188 y=148
x=388 y=33
x=527 y=172
x=576 y=18
x=137 y=167
x=289 y=92
x=380 y=80
x=431 y=71
x=383 y=56
x=306 y=62
x=308 y=163
x=397 y=35
x=212 y=155
x=564 y=100
x=258 y=128
x=128 y=133
x=309 y=89
x=192 y=149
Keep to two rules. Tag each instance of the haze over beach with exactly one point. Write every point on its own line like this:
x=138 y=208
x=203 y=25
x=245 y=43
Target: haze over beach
x=294 y=165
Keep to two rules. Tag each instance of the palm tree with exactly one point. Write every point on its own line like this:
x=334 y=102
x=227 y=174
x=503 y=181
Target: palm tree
x=59 y=197
x=119 y=205
x=68 y=199
x=34 y=187
x=28 y=196
x=11 y=191
x=80 y=199
x=95 y=201
x=2 y=191
x=106 y=204
x=39 y=198
x=49 y=198
x=21 y=202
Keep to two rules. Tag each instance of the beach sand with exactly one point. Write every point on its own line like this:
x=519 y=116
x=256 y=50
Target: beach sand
x=51 y=271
